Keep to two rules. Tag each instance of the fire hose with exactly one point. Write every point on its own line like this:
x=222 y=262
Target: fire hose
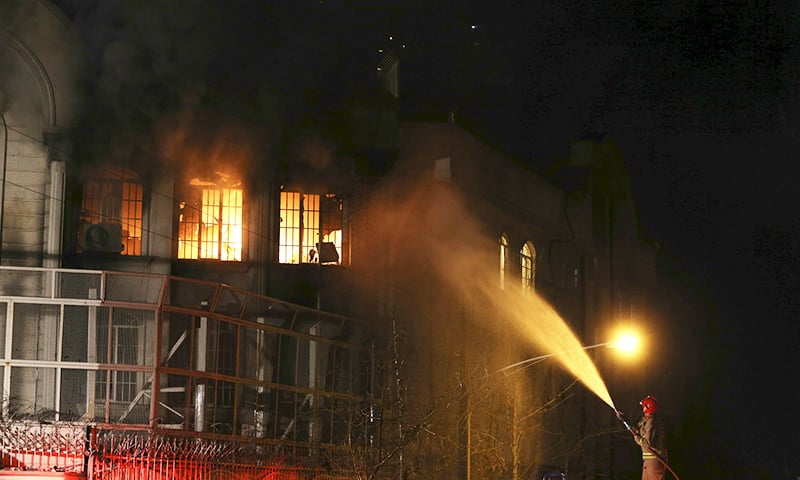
x=628 y=427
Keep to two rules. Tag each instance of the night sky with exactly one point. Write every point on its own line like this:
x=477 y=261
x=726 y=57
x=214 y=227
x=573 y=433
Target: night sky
x=703 y=97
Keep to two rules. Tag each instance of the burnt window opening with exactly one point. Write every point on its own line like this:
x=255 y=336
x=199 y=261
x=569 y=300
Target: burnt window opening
x=311 y=228
x=527 y=259
x=210 y=219
x=111 y=212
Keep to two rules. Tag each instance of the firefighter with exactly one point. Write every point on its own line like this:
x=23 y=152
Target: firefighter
x=649 y=434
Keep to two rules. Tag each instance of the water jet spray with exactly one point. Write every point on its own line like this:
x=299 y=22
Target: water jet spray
x=601 y=393
x=468 y=270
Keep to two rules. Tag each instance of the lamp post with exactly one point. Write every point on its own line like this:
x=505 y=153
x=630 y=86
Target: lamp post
x=627 y=343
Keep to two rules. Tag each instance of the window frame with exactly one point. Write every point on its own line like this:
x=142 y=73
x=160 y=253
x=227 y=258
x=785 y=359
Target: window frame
x=114 y=195
x=202 y=200
x=295 y=244
x=123 y=385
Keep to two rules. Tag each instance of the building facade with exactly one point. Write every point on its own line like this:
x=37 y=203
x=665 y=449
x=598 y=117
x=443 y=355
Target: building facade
x=346 y=312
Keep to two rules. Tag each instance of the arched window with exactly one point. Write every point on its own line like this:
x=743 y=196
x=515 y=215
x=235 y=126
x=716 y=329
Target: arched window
x=505 y=260
x=527 y=260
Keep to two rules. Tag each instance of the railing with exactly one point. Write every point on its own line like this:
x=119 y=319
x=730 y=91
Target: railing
x=168 y=353
x=127 y=453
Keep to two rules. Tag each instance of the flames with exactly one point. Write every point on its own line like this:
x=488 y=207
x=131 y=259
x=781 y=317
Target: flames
x=211 y=223
x=210 y=193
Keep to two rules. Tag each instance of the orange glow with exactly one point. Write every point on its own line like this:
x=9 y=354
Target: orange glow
x=211 y=221
x=627 y=342
x=210 y=201
x=308 y=220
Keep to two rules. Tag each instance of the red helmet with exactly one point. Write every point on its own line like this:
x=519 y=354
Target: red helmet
x=649 y=405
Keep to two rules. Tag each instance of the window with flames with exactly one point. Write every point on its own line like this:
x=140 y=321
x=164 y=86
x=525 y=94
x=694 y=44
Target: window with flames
x=311 y=228
x=210 y=219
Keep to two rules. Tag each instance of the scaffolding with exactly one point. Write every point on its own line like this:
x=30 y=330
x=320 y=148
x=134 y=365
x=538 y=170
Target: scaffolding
x=156 y=372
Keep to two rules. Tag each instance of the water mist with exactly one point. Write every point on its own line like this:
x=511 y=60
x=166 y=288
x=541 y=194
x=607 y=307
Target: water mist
x=446 y=240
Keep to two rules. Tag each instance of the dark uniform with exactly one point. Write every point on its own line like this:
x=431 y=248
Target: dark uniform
x=650 y=436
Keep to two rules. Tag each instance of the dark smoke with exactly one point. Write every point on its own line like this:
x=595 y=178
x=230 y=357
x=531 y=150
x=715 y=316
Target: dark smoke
x=12 y=14
x=217 y=71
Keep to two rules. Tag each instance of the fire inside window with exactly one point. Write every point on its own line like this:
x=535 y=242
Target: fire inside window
x=210 y=221
x=111 y=211
x=527 y=257
x=311 y=228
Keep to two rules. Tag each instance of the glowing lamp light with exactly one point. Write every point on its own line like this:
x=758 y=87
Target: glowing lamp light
x=627 y=343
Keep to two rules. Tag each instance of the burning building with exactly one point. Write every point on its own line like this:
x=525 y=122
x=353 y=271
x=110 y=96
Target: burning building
x=214 y=307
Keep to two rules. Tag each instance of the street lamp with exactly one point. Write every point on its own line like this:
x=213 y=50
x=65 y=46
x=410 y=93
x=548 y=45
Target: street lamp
x=627 y=343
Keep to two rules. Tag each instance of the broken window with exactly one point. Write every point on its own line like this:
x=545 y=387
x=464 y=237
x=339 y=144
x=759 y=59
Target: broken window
x=527 y=258
x=111 y=211
x=311 y=228
x=210 y=220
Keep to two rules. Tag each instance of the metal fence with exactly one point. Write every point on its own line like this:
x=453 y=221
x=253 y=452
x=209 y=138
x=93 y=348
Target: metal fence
x=128 y=453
